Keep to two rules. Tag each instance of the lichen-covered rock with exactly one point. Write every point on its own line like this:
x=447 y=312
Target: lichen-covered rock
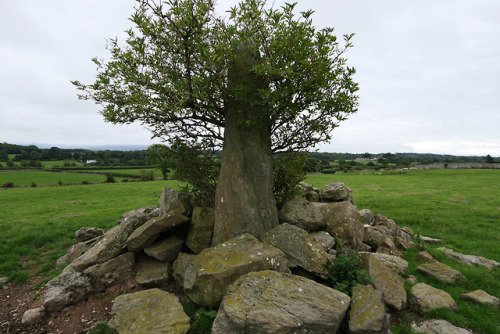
x=111 y=272
x=88 y=233
x=201 y=229
x=300 y=248
x=72 y=254
x=389 y=225
x=68 y=288
x=300 y=212
x=395 y=263
x=180 y=265
x=309 y=192
x=367 y=217
x=424 y=298
x=481 y=297
x=324 y=239
x=367 y=314
x=344 y=222
x=438 y=327
x=374 y=236
x=148 y=232
x=167 y=249
x=273 y=302
x=425 y=256
x=210 y=273
x=385 y=280
x=441 y=272
x=336 y=192
x=471 y=260
x=172 y=200
x=388 y=247
x=152 y=273
x=148 y=312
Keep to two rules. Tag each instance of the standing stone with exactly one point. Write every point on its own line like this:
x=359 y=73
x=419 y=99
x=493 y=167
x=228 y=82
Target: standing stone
x=201 y=229
x=210 y=273
x=344 y=222
x=272 y=302
x=148 y=312
x=165 y=250
x=367 y=314
x=424 y=298
x=441 y=272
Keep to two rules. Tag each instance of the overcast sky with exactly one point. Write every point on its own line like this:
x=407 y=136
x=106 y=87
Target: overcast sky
x=429 y=73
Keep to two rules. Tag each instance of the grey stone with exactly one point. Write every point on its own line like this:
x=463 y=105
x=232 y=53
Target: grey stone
x=431 y=241
x=210 y=273
x=424 y=298
x=344 y=222
x=441 y=272
x=324 y=239
x=273 y=302
x=172 y=200
x=148 y=232
x=68 y=288
x=72 y=254
x=336 y=192
x=395 y=263
x=201 y=229
x=180 y=265
x=367 y=217
x=300 y=212
x=481 y=297
x=388 y=247
x=152 y=273
x=88 y=233
x=113 y=271
x=32 y=316
x=438 y=327
x=367 y=313
x=374 y=236
x=147 y=212
x=310 y=193
x=471 y=260
x=300 y=249
x=167 y=249
x=425 y=256
x=148 y=312
x=389 y=225
x=408 y=231
x=412 y=279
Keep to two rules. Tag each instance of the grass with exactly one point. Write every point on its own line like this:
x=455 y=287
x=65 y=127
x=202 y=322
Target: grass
x=458 y=206
x=41 y=178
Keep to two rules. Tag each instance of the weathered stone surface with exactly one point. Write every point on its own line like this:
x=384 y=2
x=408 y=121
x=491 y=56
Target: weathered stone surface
x=395 y=263
x=214 y=269
x=309 y=192
x=367 y=314
x=88 y=233
x=148 y=312
x=68 y=288
x=374 y=236
x=300 y=249
x=148 y=232
x=73 y=253
x=471 y=260
x=389 y=225
x=431 y=241
x=111 y=272
x=201 y=229
x=385 y=280
x=438 y=327
x=408 y=231
x=441 y=272
x=180 y=265
x=324 y=239
x=112 y=244
x=148 y=212
x=300 y=212
x=33 y=315
x=388 y=247
x=336 y=192
x=344 y=222
x=273 y=302
x=367 y=217
x=152 y=273
x=425 y=256
x=481 y=297
x=172 y=200
x=423 y=298
x=167 y=249
x=412 y=279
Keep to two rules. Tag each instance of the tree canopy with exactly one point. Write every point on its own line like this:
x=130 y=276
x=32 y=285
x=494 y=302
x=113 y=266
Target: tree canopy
x=172 y=72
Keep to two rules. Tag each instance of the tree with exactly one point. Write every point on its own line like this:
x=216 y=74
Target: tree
x=489 y=159
x=262 y=81
x=157 y=154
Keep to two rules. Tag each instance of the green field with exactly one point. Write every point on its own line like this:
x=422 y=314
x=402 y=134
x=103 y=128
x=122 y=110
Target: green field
x=41 y=178
x=459 y=206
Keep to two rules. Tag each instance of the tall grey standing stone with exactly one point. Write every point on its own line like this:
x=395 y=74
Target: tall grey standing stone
x=201 y=229
x=273 y=302
x=424 y=298
x=367 y=314
x=148 y=312
x=209 y=274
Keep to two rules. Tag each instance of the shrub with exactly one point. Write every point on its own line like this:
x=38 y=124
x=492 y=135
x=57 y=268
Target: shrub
x=288 y=172
x=110 y=178
x=33 y=185
x=345 y=272
x=60 y=183
x=85 y=182
x=147 y=175
x=8 y=185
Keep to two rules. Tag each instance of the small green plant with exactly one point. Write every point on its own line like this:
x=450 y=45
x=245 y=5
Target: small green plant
x=201 y=319
x=8 y=185
x=110 y=178
x=147 y=175
x=345 y=272
x=60 y=183
x=101 y=328
x=33 y=185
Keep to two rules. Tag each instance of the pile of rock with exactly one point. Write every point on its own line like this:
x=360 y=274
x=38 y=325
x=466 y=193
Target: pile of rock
x=267 y=284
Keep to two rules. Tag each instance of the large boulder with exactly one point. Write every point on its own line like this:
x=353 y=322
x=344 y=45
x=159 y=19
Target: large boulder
x=424 y=298
x=171 y=199
x=344 y=222
x=385 y=280
x=111 y=272
x=367 y=314
x=336 y=192
x=148 y=312
x=441 y=272
x=207 y=277
x=273 y=302
x=201 y=229
x=300 y=248
x=148 y=232
x=68 y=288
x=300 y=212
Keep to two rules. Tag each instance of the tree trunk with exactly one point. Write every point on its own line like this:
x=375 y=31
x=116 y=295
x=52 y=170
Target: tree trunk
x=244 y=201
